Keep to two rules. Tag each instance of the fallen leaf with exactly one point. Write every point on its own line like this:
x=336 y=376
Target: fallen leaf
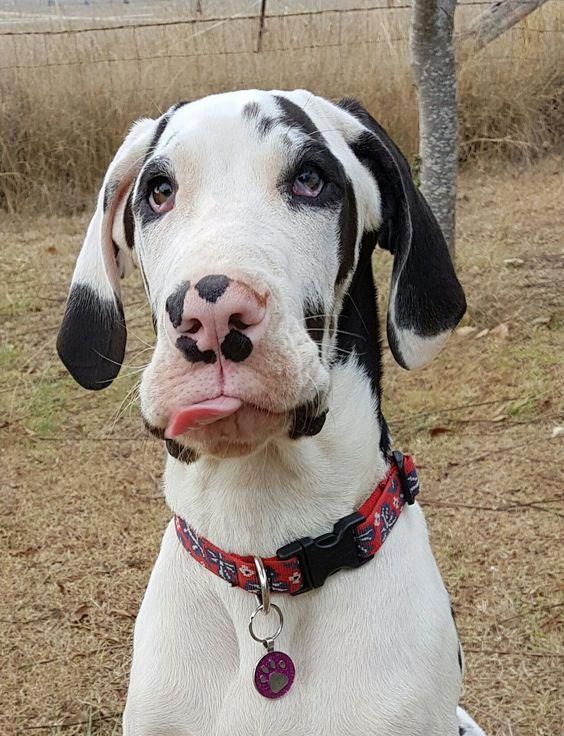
x=501 y=331
x=434 y=431
x=466 y=330
x=514 y=262
x=557 y=432
x=51 y=249
x=123 y=614
x=482 y=333
x=499 y=418
x=81 y=613
x=27 y=552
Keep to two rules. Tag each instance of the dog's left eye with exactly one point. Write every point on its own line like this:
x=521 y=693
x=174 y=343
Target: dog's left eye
x=308 y=183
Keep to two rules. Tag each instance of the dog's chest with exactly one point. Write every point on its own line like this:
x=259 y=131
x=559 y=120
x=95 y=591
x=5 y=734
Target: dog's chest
x=367 y=648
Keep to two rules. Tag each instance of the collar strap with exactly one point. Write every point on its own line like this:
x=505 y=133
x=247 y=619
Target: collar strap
x=307 y=563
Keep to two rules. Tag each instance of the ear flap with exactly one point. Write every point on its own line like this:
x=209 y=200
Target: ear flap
x=426 y=298
x=92 y=337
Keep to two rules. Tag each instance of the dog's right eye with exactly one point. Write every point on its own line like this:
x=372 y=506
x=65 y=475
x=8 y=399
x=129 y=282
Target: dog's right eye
x=161 y=194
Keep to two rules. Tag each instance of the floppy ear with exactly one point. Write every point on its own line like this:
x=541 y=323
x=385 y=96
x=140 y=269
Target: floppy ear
x=426 y=298
x=92 y=337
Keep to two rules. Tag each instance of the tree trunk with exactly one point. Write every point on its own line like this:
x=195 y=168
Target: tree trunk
x=434 y=71
x=497 y=19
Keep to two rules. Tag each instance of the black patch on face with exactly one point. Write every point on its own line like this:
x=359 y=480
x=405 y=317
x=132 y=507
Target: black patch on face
x=156 y=167
x=236 y=346
x=92 y=337
x=128 y=222
x=348 y=229
x=179 y=452
x=251 y=110
x=160 y=129
x=189 y=348
x=307 y=420
x=212 y=287
x=294 y=117
x=157 y=432
x=314 y=317
x=263 y=123
x=175 y=304
x=315 y=153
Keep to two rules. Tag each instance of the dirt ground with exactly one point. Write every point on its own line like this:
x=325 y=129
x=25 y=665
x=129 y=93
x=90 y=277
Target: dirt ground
x=82 y=512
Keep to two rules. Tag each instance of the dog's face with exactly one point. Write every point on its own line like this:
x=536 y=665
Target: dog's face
x=252 y=216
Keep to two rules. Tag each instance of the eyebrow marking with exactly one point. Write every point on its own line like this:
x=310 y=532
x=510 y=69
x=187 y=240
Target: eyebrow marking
x=293 y=116
x=263 y=123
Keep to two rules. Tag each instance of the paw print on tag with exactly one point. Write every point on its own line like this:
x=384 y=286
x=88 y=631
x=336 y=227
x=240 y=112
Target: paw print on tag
x=274 y=674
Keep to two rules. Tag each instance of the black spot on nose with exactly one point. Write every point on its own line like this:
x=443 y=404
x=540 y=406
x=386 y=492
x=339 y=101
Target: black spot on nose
x=212 y=287
x=175 y=303
x=236 y=346
x=189 y=348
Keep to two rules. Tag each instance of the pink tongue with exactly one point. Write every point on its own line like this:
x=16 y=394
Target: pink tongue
x=197 y=415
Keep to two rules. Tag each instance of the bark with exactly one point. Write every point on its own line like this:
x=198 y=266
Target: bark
x=497 y=19
x=434 y=71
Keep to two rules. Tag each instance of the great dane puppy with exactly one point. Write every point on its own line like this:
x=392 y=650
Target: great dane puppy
x=253 y=217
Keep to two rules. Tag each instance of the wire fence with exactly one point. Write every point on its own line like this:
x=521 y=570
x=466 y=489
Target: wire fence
x=89 y=70
x=230 y=44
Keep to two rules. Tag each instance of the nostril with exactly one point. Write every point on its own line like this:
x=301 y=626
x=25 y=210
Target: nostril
x=236 y=321
x=192 y=326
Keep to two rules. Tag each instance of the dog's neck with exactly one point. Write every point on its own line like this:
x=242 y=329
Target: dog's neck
x=290 y=488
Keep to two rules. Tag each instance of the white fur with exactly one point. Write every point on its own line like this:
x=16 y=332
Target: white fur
x=375 y=648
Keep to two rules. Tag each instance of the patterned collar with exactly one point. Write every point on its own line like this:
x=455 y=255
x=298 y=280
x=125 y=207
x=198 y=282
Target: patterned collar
x=306 y=563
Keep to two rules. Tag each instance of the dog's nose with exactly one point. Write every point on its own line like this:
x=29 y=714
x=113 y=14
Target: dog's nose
x=217 y=312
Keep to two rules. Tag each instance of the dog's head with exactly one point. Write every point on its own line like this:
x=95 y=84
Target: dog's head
x=252 y=217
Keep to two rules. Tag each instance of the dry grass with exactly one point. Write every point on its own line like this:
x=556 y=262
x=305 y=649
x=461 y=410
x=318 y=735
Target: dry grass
x=66 y=100
x=82 y=513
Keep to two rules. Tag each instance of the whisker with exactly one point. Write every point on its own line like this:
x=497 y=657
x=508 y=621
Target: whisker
x=338 y=332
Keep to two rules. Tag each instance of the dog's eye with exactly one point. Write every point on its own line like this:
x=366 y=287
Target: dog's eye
x=308 y=183
x=161 y=194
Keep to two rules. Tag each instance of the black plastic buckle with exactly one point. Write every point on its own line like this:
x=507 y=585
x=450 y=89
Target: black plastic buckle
x=408 y=494
x=324 y=555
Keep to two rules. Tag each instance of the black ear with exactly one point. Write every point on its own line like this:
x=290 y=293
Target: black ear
x=92 y=337
x=426 y=298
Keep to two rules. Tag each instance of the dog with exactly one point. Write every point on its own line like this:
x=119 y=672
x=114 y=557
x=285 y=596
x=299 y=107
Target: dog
x=252 y=217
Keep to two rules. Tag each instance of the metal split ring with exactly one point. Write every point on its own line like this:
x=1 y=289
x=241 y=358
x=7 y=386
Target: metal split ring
x=265 y=639
x=264 y=595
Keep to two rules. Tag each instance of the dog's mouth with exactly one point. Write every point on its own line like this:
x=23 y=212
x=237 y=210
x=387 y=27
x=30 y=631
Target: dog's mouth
x=200 y=415
x=213 y=425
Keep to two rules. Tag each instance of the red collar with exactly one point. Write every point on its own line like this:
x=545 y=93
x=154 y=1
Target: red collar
x=306 y=563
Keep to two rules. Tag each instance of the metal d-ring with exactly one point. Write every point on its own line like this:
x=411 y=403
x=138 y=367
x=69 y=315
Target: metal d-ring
x=266 y=640
x=264 y=595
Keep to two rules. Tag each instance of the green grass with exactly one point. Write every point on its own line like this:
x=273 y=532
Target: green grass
x=46 y=409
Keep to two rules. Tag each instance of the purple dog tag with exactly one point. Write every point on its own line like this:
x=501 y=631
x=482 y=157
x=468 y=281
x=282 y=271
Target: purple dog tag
x=274 y=674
